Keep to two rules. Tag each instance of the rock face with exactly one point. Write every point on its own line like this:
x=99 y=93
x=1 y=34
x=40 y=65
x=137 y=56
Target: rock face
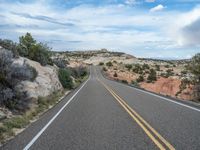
x=45 y=83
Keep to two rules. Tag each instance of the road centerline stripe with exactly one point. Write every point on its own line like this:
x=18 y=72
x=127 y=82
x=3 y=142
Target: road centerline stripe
x=141 y=122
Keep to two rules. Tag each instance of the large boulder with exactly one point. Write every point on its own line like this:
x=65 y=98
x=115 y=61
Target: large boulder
x=44 y=84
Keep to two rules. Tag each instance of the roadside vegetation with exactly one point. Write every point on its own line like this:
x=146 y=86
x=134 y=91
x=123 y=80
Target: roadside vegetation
x=194 y=68
x=182 y=76
x=18 y=103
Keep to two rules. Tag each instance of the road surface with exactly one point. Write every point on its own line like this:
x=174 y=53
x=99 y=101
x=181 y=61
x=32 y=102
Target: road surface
x=106 y=115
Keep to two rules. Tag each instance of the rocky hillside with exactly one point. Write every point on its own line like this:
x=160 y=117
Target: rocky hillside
x=94 y=57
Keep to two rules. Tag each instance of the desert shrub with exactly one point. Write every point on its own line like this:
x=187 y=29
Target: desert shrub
x=167 y=66
x=184 y=72
x=194 y=67
x=10 y=45
x=140 y=72
x=147 y=71
x=25 y=72
x=128 y=66
x=169 y=72
x=114 y=61
x=152 y=76
x=184 y=83
x=157 y=67
x=135 y=83
x=137 y=68
x=101 y=63
x=7 y=97
x=115 y=75
x=145 y=66
x=140 y=79
x=78 y=72
x=104 y=69
x=6 y=59
x=124 y=81
x=65 y=79
x=10 y=75
x=40 y=53
x=109 y=64
x=61 y=63
x=164 y=75
x=26 y=43
x=28 y=47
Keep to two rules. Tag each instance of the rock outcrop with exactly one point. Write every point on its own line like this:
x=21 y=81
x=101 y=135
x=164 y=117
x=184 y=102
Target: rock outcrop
x=45 y=83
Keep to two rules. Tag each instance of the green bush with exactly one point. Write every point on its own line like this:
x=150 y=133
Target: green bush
x=10 y=45
x=16 y=122
x=169 y=72
x=137 y=68
x=124 y=81
x=140 y=79
x=135 y=83
x=109 y=64
x=26 y=42
x=157 y=67
x=183 y=72
x=128 y=66
x=61 y=63
x=78 y=72
x=65 y=79
x=28 y=47
x=40 y=53
x=145 y=66
x=101 y=64
x=166 y=66
x=152 y=76
x=194 y=68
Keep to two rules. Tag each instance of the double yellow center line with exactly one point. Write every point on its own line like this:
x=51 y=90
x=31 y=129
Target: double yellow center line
x=159 y=141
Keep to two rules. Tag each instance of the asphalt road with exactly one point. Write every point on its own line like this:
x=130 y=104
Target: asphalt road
x=106 y=115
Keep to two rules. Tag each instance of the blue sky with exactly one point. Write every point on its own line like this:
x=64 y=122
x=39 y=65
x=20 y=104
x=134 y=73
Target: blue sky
x=144 y=28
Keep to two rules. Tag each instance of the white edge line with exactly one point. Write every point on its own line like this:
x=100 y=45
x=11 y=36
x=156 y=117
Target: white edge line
x=173 y=101
x=54 y=117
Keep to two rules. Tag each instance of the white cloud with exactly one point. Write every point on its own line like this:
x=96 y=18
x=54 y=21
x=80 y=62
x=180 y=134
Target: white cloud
x=185 y=28
x=157 y=8
x=114 y=27
x=130 y=2
x=150 y=1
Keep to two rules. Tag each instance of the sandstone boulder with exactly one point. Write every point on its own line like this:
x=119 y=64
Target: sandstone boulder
x=45 y=83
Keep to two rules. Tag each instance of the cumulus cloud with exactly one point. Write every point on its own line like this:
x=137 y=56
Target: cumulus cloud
x=186 y=28
x=157 y=8
x=191 y=33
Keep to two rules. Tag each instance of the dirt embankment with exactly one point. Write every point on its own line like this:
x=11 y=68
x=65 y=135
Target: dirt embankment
x=168 y=86
x=165 y=86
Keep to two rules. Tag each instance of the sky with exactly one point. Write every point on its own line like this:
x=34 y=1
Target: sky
x=168 y=29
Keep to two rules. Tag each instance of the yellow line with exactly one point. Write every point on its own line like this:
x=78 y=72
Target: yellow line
x=140 y=124
x=133 y=114
x=147 y=124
